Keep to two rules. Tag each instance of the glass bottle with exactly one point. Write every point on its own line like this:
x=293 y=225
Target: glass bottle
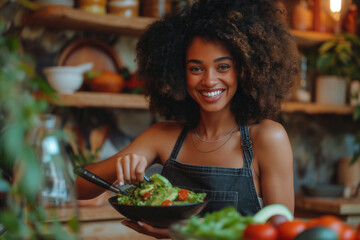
x=57 y=195
x=303 y=93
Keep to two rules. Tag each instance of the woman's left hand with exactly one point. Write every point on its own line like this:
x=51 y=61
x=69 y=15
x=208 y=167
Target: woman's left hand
x=159 y=233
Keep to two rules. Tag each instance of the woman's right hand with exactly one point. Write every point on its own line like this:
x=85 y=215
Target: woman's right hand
x=130 y=168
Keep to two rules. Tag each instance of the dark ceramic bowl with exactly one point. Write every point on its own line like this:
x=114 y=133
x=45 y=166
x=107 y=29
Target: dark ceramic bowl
x=158 y=216
x=323 y=190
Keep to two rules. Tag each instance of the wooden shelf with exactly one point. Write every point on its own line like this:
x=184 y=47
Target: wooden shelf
x=137 y=101
x=76 y=19
x=109 y=100
x=310 y=38
x=314 y=108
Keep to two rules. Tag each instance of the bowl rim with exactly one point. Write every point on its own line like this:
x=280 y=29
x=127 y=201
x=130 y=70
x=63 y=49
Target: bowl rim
x=173 y=206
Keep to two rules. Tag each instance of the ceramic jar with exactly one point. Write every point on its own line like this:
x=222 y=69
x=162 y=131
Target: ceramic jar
x=124 y=8
x=330 y=90
x=93 y=6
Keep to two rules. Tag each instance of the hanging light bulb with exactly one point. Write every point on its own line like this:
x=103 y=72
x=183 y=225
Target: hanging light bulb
x=335 y=7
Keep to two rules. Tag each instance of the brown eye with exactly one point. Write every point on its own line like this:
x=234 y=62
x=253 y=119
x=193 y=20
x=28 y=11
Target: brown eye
x=195 y=69
x=223 y=67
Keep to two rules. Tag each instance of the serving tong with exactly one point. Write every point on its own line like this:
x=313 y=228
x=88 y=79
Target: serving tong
x=93 y=178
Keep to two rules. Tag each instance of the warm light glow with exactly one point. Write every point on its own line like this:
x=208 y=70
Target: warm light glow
x=335 y=5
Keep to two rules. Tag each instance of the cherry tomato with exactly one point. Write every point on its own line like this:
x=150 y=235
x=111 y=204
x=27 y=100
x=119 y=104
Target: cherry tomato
x=348 y=233
x=312 y=223
x=290 y=229
x=183 y=194
x=331 y=222
x=167 y=203
x=147 y=194
x=260 y=231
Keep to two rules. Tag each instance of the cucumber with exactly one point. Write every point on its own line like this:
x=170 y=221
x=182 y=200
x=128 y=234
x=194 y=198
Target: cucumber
x=271 y=210
x=160 y=180
x=317 y=233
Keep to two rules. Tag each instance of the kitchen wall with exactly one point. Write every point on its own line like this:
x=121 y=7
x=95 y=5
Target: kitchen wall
x=318 y=141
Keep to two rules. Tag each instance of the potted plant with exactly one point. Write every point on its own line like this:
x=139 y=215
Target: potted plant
x=336 y=64
x=20 y=180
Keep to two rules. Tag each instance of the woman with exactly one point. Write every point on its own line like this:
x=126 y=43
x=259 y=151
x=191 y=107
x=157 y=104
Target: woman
x=219 y=71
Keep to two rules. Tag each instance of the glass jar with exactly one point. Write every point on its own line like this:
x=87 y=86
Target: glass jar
x=156 y=8
x=302 y=16
x=93 y=6
x=57 y=194
x=124 y=8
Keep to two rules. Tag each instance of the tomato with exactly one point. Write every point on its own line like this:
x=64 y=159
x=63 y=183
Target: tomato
x=260 y=231
x=358 y=233
x=183 y=194
x=331 y=222
x=290 y=229
x=147 y=194
x=167 y=203
x=348 y=233
x=312 y=223
x=327 y=221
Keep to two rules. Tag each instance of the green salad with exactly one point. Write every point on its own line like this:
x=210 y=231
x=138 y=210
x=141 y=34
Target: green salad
x=225 y=224
x=159 y=192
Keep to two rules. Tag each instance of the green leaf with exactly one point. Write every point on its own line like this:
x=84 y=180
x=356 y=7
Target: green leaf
x=324 y=61
x=74 y=225
x=32 y=177
x=355 y=158
x=356 y=114
x=10 y=221
x=327 y=46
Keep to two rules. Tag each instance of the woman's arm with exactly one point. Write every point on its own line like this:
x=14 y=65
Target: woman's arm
x=275 y=159
x=127 y=165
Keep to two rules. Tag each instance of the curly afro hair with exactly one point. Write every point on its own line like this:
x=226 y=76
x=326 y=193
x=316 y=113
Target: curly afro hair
x=264 y=52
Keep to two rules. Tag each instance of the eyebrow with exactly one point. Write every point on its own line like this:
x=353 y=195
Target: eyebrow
x=216 y=60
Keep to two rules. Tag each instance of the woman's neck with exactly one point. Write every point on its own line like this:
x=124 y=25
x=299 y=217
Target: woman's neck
x=215 y=125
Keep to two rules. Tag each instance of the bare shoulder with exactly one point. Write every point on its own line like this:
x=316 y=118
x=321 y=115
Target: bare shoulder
x=271 y=144
x=268 y=132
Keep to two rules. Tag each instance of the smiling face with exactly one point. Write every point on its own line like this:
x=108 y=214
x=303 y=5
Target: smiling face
x=210 y=74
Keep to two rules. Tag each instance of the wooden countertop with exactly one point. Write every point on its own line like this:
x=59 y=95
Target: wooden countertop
x=99 y=222
x=346 y=209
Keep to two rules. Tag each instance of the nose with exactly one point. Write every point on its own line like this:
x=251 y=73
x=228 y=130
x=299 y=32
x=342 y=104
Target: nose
x=210 y=78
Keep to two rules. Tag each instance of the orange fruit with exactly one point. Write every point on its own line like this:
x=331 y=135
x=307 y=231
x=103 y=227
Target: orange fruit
x=107 y=82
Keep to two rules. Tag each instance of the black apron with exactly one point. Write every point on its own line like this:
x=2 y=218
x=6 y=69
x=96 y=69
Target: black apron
x=224 y=186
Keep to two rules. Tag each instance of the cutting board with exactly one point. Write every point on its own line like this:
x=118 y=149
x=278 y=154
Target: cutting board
x=102 y=55
x=346 y=209
x=339 y=206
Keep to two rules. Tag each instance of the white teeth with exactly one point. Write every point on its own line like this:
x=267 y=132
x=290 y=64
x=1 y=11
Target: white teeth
x=212 y=94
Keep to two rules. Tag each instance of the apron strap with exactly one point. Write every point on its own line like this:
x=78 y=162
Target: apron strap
x=179 y=143
x=246 y=144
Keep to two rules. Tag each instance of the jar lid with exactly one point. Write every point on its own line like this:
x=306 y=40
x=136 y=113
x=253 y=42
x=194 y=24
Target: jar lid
x=92 y=2
x=125 y=3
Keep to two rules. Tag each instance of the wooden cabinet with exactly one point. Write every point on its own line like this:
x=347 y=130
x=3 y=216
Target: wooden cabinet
x=72 y=19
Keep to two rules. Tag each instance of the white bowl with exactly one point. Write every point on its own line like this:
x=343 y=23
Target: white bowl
x=66 y=79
